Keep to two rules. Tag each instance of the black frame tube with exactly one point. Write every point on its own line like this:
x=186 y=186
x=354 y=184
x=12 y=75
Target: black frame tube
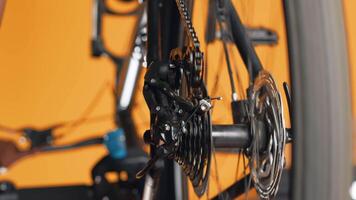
x=153 y=31
x=169 y=28
x=162 y=22
x=243 y=43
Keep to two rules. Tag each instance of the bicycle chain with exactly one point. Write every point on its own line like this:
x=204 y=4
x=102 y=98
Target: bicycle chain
x=197 y=58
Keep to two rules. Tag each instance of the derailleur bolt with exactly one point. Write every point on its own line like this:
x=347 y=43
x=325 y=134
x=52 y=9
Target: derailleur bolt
x=184 y=130
x=167 y=127
x=180 y=111
x=204 y=105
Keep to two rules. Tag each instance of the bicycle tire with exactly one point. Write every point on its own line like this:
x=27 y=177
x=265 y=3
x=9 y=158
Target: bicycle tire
x=320 y=85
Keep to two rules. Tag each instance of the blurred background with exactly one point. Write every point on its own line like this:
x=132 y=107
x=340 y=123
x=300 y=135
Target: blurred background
x=48 y=76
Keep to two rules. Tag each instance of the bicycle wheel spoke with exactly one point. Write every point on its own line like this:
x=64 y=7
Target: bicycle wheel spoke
x=216 y=171
x=235 y=190
x=238 y=164
x=237 y=74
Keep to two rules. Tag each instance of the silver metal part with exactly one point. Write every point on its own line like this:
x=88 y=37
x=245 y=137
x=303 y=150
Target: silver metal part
x=267 y=158
x=134 y=64
x=204 y=105
x=148 y=189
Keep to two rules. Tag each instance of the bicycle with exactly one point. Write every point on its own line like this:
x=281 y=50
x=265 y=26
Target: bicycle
x=180 y=106
x=242 y=136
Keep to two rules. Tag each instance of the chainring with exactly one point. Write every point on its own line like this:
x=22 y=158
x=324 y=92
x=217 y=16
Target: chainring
x=266 y=155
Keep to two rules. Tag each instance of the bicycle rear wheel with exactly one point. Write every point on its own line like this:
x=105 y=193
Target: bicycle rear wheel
x=322 y=160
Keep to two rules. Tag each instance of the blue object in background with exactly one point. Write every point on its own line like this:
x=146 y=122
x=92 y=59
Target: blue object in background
x=115 y=142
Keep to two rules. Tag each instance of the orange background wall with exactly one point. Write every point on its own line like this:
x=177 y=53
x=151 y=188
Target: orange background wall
x=48 y=76
x=350 y=17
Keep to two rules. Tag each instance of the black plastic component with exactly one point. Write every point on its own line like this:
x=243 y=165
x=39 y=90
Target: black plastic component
x=147 y=137
x=97 y=48
x=239 y=111
x=39 y=138
x=230 y=136
x=52 y=193
x=289 y=98
x=262 y=36
x=237 y=136
x=6 y=187
x=289 y=135
x=131 y=188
